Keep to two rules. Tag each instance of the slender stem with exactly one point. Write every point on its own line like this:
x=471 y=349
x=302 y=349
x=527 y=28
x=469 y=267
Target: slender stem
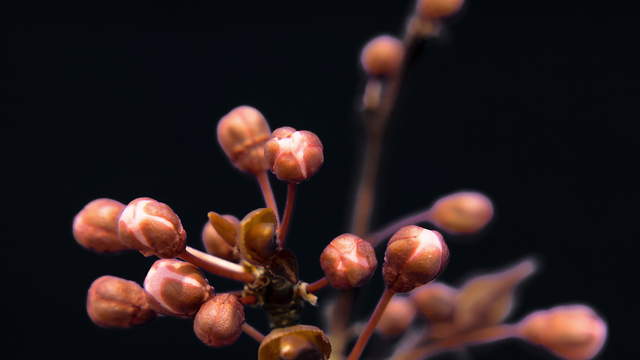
x=251 y=331
x=267 y=192
x=371 y=324
x=216 y=265
x=288 y=214
x=378 y=236
x=317 y=285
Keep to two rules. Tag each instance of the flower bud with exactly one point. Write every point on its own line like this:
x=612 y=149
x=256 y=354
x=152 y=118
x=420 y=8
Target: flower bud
x=294 y=156
x=437 y=9
x=397 y=317
x=116 y=302
x=573 y=332
x=176 y=287
x=96 y=226
x=414 y=257
x=462 y=212
x=242 y=134
x=299 y=342
x=218 y=245
x=152 y=228
x=435 y=301
x=219 y=320
x=348 y=262
x=382 y=56
x=257 y=242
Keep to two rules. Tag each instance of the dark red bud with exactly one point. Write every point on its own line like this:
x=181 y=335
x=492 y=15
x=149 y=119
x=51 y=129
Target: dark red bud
x=219 y=320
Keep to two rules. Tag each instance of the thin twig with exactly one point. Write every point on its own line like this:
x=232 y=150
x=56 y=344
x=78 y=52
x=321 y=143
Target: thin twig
x=288 y=214
x=317 y=285
x=377 y=237
x=267 y=193
x=216 y=265
x=251 y=331
x=363 y=339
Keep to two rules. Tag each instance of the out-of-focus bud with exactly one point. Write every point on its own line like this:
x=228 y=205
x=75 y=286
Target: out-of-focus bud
x=299 y=342
x=348 y=261
x=382 y=56
x=437 y=9
x=96 y=226
x=573 y=332
x=219 y=320
x=414 y=257
x=294 y=156
x=462 y=212
x=435 y=301
x=116 y=302
x=152 y=228
x=242 y=134
x=397 y=317
x=487 y=299
x=220 y=239
x=176 y=287
x=257 y=243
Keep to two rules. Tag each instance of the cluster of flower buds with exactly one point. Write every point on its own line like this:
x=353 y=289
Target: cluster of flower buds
x=348 y=262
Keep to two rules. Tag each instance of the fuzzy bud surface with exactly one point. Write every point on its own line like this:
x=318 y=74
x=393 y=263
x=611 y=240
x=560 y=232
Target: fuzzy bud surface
x=116 y=302
x=348 y=261
x=95 y=227
x=219 y=320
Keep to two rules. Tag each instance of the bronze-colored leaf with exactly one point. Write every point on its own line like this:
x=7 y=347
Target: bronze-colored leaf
x=295 y=343
x=257 y=243
x=225 y=228
x=285 y=264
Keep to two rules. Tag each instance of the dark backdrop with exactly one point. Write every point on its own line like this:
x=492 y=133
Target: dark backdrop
x=534 y=106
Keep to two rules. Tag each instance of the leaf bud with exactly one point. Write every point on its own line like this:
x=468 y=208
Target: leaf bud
x=397 y=316
x=573 y=332
x=462 y=212
x=414 y=257
x=219 y=320
x=242 y=134
x=299 y=342
x=220 y=239
x=176 y=287
x=257 y=243
x=294 y=156
x=382 y=56
x=435 y=301
x=348 y=261
x=116 y=302
x=437 y=9
x=152 y=228
x=95 y=227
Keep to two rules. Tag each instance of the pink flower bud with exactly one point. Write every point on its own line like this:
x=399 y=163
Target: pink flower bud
x=96 y=226
x=462 y=212
x=414 y=257
x=397 y=317
x=219 y=320
x=176 y=287
x=348 y=261
x=382 y=56
x=294 y=156
x=435 y=301
x=437 y=9
x=216 y=244
x=152 y=228
x=573 y=332
x=242 y=134
x=116 y=302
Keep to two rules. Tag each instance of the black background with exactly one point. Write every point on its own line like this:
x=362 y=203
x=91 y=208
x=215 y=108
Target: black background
x=534 y=104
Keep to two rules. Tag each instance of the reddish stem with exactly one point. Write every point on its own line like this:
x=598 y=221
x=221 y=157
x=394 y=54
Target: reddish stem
x=363 y=339
x=288 y=214
x=251 y=331
x=267 y=193
x=379 y=236
x=216 y=265
x=317 y=285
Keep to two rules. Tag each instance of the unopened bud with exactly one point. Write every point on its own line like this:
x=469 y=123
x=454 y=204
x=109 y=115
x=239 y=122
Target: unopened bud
x=219 y=320
x=299 y=342
x=414 y=256
x=96 y=226
x=257 y=242
x=573 y=332
x=242 y=134
x=435 y=301
x=437 y=9
x=217 y=244
x=397 y=316
x=348 y=261
x=116 y=302
x=176 y=287
x=382 y=56
x=294 y=156
x=462 y=212
x=152 y=228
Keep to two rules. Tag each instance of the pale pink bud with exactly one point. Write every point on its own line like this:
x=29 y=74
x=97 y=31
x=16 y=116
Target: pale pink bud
x=242 y=134
x=382 y=56
x=414 y=257
x=176 y=287
x=348 y=261
x=437 y=9
x=116 y=302
x=216 y=244
x=152 y=228
x=435 y=301
x=96 y=226
x=462 y=212
x=573 y=332
x=397 y=316
x=219 y=320
x=294 y=156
